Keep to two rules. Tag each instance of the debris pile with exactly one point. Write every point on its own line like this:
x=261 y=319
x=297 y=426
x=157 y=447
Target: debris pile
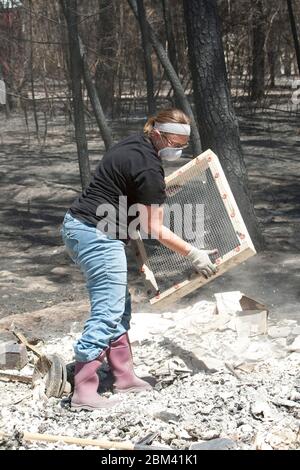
x=213 y=389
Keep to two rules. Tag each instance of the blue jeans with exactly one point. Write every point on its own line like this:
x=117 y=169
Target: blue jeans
x=103 y=263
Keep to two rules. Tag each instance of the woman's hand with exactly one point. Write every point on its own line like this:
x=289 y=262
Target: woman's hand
x=201 y=261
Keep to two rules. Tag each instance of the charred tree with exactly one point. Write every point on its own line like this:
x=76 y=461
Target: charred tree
x=95 y=101
x=106 y=66
x=36 y=121
x=294 y=31
x=174 y=80
x=218 y=124
x=172 y=52
x=146 y=43
x=258 y=52
x=69 y=8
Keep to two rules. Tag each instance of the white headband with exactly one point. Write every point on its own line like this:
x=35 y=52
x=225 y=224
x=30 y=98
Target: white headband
x=173 y=128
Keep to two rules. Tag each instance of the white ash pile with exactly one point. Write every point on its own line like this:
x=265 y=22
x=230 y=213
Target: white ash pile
x=210 y=384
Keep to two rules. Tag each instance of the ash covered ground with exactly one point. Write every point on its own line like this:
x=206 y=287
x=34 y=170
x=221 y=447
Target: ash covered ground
x=210 y=382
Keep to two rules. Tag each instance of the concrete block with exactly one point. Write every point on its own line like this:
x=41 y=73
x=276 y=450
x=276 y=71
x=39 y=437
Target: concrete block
x=12 y=355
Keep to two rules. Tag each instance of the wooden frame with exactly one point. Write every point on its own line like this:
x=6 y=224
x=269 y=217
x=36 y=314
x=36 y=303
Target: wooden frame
x=245 y=250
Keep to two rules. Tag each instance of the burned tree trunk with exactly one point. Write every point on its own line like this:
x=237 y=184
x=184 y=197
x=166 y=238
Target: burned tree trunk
x=36 y=121
x=173 y=77
x=171 y=43
x=106 y=66
x=94 y=99
x=294 y=31
x=147 y=56
x=69 y=8
x=217 y=120
x=258 y=52
x=170 y=34
x=273 y=42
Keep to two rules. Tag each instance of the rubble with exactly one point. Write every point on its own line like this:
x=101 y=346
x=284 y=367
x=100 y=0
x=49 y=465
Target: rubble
x=215 y=444
x=12 y=355
x=279 y=332
x=295 y=345
x=252 y=404
x=248 y=316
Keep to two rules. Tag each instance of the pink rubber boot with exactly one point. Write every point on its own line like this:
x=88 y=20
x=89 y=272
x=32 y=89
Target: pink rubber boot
x=86 y=382
x=119 y=358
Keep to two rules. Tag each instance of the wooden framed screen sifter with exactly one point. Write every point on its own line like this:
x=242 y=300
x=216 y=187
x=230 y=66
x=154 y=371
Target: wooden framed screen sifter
x=198 y=189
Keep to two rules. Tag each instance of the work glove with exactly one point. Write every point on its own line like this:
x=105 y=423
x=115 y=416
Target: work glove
x=201 y=261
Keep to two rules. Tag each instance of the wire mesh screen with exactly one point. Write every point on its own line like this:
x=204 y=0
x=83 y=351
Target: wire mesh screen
x=195 y=211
